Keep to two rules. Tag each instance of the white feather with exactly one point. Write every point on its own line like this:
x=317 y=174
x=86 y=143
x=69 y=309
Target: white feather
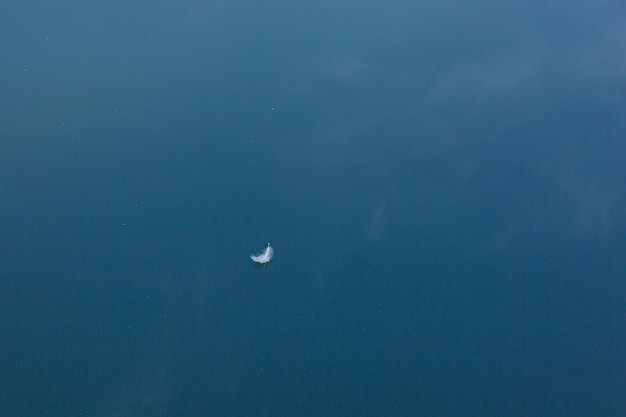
x=265 y=256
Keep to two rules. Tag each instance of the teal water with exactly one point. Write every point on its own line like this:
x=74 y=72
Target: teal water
x=443 y=186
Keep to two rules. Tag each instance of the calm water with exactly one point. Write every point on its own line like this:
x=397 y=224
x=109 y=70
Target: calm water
x=444 y=187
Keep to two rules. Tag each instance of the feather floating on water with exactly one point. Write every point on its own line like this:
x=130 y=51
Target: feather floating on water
x=265 y=256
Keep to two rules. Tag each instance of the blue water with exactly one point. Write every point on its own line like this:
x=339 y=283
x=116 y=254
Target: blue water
x=443 y=184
